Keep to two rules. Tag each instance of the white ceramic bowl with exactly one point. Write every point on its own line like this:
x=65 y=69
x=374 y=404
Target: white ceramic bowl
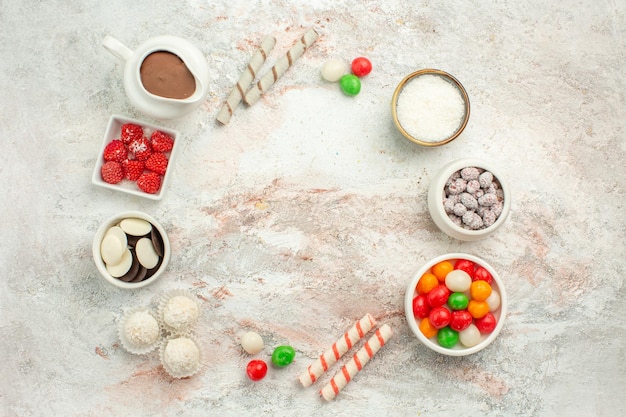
x=399 y=122
x=113 y=131
x=437 y=210
x=101 y=266
x=459 y=349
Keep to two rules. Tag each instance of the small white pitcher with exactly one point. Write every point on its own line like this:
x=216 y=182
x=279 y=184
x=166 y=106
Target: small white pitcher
x=161 y=108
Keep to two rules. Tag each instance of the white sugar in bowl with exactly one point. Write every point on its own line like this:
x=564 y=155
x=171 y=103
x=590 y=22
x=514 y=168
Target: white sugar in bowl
x=430 y=107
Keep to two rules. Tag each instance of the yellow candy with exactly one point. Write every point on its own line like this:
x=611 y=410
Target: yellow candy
x=441 y=269
x=427 y=328
x=480 y=290
x=426 y=283
x=478 y=309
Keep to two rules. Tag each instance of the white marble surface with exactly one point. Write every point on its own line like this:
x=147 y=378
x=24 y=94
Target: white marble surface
x=309 y=210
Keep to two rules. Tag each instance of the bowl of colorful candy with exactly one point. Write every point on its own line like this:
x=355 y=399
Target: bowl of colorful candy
x=430 y=107
x=456 y=304
x=131 y=250
x=468 y=199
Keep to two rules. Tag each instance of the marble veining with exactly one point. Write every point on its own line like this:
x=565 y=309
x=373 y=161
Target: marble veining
x=308 y=209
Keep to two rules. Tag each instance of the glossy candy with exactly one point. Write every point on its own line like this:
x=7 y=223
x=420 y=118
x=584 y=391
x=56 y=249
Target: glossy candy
x=482 y=274
x=447 y=337
x=426 y=283
x=252 y=343
x=427 y=329
x=458 y=281
x=478 y=309
x=256 y=369
x=439 y=317
x=460 y=320
x=454 y=302
x=334 y=69
x=470 y=336
x=421 y=308
x=441 y=270
x=438 y=296
x=493 y=301
x=465 y=265
x=350 y=84
x=480 y=290
x=283 y=356
x=361 y=66
x=487 y=323
x=458 y=301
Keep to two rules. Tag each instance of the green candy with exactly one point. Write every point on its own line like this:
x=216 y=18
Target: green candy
x=447 y=337
x=283 y=356
x=458 y=301
x=350 y=84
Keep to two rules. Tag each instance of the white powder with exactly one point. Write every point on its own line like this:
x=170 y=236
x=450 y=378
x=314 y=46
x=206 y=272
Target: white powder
x=430 y=108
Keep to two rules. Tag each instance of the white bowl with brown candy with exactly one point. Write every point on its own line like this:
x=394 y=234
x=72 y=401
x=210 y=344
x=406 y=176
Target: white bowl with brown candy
x=131 y=250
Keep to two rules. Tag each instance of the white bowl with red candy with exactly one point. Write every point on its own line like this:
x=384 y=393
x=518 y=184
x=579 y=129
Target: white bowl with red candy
x=136 y=157
x=456 y=304
x=469 y=199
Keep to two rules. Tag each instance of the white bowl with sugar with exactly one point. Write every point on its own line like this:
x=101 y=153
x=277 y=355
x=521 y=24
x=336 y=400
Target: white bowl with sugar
x=430 y=107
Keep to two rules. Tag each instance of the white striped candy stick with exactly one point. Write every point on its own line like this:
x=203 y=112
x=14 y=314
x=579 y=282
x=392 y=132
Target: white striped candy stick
x=337 y=350
x=239 y=90
x=358 y=361
x=280 y=67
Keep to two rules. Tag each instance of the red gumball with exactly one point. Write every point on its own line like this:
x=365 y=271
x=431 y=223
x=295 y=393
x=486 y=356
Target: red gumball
x=487 y=323
x=439 y=317
x=256 y=370
x=460 y=320
x=421 y=308
x=361 y=66
x=482 y=274
x=438 y=296
x=465 y=265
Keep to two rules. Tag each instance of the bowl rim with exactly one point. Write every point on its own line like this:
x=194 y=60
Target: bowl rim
x=412 y=321
x=439 y=183
x=105 y=225
x=400 y=87
x=109 y=135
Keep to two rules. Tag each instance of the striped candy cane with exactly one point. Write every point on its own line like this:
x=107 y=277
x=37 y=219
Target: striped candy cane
x=338 y=349
x=358 y=361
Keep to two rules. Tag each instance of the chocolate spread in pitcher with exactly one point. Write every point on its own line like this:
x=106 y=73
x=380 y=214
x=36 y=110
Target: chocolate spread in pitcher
x=165 y=74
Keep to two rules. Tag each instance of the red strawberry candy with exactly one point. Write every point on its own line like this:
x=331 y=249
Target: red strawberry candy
x=112 y=172
x=157 y=162
x=130 y=132
x=161 y=142
x=139 y=149
x=133 y=169
x=115 y=151
x=149 y=182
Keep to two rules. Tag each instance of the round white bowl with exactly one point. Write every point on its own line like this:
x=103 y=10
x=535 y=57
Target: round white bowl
x=112 y=221
x=449 y=78
x=435 y=200
x=458 y=350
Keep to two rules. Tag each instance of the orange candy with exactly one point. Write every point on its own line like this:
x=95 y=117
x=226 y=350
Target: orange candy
x=478 y=309
x=480 y=290
x=427 y=328
x=441 y=269
x=426 y=283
